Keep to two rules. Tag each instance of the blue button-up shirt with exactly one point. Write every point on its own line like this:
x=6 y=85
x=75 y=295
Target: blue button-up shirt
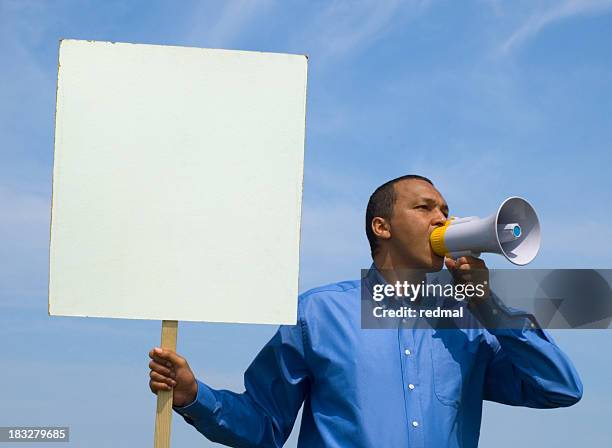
x=402 y=387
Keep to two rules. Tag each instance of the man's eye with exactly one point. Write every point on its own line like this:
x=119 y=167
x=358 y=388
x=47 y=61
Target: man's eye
x=422 y=206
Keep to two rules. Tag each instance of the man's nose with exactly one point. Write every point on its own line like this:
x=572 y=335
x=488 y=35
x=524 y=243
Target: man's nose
x=439 y=220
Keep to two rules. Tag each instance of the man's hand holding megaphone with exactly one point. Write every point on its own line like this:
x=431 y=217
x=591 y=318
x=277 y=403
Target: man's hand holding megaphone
x=469 y=270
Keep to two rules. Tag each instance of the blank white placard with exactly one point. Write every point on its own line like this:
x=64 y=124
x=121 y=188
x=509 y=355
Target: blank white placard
x=177 y=183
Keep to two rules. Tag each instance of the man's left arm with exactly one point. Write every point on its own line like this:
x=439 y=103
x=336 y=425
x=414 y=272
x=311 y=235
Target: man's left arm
x=527 y=368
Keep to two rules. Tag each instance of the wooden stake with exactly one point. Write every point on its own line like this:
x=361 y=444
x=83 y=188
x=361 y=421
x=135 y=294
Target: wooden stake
x=163 y=416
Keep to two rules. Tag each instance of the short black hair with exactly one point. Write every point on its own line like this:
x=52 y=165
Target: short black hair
x=381 y=204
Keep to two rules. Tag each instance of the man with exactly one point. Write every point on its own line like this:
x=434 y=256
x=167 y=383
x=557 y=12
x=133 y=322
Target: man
x=418 y=387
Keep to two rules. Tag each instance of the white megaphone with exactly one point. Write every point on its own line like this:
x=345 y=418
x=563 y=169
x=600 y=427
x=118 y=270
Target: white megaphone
x=513 y=231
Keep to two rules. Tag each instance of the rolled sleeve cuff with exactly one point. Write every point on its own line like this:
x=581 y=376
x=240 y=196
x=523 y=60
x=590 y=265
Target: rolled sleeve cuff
x=501 y=320
x=203 y=406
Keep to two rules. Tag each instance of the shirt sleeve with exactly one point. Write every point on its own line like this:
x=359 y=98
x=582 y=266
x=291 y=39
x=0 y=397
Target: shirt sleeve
x=527 y=367
x=263 y=415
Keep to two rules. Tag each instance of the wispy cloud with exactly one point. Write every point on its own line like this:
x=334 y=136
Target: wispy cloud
x=223 y=28
x=344 y=27
x=542 y=18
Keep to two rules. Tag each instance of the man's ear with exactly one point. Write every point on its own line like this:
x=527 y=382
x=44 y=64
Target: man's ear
x=381 y=228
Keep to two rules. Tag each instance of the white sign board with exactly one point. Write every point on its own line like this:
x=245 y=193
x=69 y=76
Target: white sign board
x=177 y=183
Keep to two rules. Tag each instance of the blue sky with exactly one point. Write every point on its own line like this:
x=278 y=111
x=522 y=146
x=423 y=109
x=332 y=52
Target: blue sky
x=487 y=98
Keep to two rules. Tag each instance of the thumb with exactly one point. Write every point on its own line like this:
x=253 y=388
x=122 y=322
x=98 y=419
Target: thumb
x=450 y=263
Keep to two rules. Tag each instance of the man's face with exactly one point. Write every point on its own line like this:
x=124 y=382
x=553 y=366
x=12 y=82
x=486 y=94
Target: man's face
x=419 y=208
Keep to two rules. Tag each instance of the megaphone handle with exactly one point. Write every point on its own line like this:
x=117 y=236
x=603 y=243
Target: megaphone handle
x=464 y=253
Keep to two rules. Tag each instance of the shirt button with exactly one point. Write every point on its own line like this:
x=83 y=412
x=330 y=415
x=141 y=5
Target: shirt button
x=411 y=386
x=415 y=423
x=407 y=352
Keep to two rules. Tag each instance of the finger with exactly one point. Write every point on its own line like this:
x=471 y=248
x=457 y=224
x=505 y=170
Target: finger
x=461 y=260
x=161 y=378
x=153 y=355
x=159 y=360
x=463 y=278
x=450 y=263
x=156 y=386
x=477 y=262
x=168 y=356
x=162 y=369
x=465 y=267
x=162 y=361
x=157 y=351
x=467 y=278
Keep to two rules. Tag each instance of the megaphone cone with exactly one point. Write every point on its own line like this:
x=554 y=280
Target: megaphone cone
x=513 y=231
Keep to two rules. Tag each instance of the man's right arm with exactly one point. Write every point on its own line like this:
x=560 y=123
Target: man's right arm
x=276 y=384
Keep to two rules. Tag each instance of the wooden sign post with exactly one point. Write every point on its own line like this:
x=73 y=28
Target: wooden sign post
x=170 y=163
x=163 y=415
